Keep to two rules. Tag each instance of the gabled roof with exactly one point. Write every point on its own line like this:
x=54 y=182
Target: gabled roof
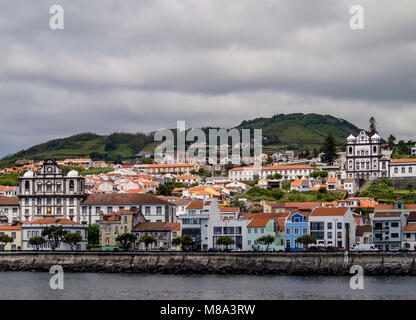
x=52 y=221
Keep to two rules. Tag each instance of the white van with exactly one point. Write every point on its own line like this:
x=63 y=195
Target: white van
x=363 y=247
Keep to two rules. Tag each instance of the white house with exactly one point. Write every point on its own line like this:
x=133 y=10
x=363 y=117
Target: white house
x=34 y=229
x=402 y=168
x=334 y=226
x=227 y=222
x=289 y=172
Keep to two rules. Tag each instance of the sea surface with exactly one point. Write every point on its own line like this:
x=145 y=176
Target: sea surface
x=36 y=285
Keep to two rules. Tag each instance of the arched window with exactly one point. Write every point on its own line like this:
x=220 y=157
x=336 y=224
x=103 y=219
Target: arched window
x=374 y=149
x=350 y=150
x=71 y=185
x=27 y=185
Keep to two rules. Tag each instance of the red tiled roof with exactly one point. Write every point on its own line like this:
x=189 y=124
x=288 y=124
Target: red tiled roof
x=325 y=212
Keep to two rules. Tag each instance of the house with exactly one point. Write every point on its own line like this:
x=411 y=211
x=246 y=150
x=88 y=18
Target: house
x=351 y=186
x=263 y=224
x=9 y=209
x=163 y=232
x=194 y=221
x=402 y=168
x=273 y=207
x=289 y=172
x=364 y=234
x=409 y=237
x=15 y=232
x=188 y=180
x=387 y=229
x=296 y=225
x=114 y=224
x=227 y=222
x=34 y=229
x=333 y=226
x=242 y=174
x=299 y=185
x=333 y=183
x=153 y=208
x=174 y=168
x=8 y=191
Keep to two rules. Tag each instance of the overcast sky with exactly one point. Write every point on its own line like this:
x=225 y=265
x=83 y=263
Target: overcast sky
x=141 y=65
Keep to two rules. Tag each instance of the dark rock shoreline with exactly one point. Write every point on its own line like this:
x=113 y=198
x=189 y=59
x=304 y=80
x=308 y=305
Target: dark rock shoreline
x=393 y=263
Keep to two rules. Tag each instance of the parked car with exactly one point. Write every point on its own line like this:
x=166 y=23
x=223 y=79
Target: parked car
x=363 y=247
x=404 y=250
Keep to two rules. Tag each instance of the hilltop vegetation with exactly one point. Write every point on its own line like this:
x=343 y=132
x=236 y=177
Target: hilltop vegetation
x=297 y=131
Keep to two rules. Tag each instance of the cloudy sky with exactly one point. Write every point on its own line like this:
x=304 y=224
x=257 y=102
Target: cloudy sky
x=142 y=65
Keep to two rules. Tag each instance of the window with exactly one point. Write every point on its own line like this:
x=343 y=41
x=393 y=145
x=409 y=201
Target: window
x=249 y=230
x=84 y=210
x=49 y=187
x=296 y=231
x=158 y=210
x=237 y=230
x=329 y=235
x=410 y=170
x=329 y=225
x=14 y=235
x=39 y=187
x=125 y=219
x=97 y=210
x=403 y=170
x=147 y=210
x=262 y=230
x=339 y=225
x=218 y=230
x=249 y=242
x=339 y=235
x=71 y=185
x=27 y=186
x=109 y=210
x=116 y=229
x=228 y=230
x=396 y=170
x=287 y=231
x=58 y=187
x=305 y=231
x=317 y=226
x=394 y=224
x=71 y=201
x=394 y=235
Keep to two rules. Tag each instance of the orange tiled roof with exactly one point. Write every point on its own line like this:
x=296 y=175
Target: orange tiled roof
x=325 y=212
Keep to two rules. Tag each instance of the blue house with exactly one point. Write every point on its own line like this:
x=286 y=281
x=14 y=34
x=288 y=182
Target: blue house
x=296 y=226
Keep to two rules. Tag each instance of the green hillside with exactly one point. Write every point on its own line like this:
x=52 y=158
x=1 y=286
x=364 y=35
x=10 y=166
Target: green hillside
x=283 y=131
x=297 y=130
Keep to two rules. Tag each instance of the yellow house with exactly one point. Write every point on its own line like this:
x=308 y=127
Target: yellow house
x=14 y=232
x=273 y=207
x=115 y=224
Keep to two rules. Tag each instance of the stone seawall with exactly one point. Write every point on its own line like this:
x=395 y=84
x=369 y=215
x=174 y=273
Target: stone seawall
x=212 y=263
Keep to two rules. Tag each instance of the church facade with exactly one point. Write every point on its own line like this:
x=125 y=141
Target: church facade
x=50 y=193
x=364 y=159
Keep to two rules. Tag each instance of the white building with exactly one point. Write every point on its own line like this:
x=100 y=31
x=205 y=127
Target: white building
x=363 y=157
x=333 y=226
x=351 y=186
x=402 y=168
x=153 y=208
x=9 y=191
x=227 y=222
x=49 y=193
x=289 y=172
x=241 y=174
x=9 y=209
x=35 y=228
x=195 y=221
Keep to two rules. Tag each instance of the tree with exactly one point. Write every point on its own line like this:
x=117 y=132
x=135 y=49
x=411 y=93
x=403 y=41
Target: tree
x=37 y=242
x=186 y=240
x=329 y=149
x=5 y=239
x=410 y=187
x=306 y=240
x=390 y=140
x=275 y=176
x=93 y=235
x=125 y=240
x=54 y=235
x=176 y=242
x=147 y=240
x=373 y=128
x=72 y=239
x=224 y=241
x=266 y=240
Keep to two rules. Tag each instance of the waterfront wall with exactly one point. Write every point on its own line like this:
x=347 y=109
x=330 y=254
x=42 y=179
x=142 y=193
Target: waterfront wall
x=295 y=263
